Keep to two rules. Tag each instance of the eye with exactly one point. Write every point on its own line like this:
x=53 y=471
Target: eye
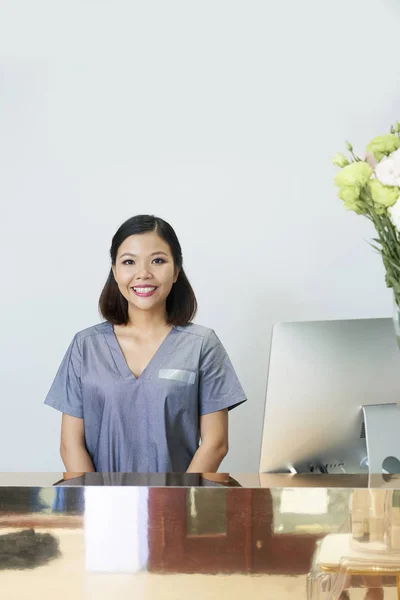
x=159 y=259
x=128 y=261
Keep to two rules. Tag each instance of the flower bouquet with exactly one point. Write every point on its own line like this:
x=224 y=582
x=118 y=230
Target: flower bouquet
x=370 y=186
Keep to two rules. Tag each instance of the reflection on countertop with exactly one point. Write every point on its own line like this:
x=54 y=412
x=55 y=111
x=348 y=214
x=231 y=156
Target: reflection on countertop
x=110 y=540
x=247 y=480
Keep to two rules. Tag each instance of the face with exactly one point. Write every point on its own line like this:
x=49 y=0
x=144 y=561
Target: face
x=144 y=271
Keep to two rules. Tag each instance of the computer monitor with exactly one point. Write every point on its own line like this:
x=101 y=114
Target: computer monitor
x=321 y=374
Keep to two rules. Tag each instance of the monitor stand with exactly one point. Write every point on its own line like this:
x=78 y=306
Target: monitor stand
x=382 y=432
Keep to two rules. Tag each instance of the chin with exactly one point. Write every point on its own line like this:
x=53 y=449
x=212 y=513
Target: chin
x=144 y=304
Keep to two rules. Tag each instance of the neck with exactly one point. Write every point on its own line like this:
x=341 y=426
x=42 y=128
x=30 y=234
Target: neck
x=146 y=322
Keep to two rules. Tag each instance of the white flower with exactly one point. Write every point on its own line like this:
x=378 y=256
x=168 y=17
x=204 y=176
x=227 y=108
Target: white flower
x=388 y=169
x=394 y=213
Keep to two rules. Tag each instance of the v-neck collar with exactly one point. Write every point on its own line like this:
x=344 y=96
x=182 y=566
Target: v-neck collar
x=120 y=359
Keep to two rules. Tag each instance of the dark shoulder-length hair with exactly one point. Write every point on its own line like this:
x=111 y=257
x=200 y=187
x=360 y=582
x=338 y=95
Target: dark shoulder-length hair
x=181 y=302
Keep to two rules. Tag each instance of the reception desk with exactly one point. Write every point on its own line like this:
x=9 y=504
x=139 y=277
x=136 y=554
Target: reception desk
x=110 y=535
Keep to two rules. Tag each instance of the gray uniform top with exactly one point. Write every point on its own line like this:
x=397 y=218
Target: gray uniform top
x=149 y=423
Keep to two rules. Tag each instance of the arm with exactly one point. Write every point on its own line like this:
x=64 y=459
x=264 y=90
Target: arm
x=214 y=443
x=73 y=450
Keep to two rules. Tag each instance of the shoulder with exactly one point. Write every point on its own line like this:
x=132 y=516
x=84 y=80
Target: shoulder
x=195 y=331
x=94 y=331
x=201 y=337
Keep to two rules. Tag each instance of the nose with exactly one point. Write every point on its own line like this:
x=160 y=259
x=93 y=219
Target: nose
x=143 y=272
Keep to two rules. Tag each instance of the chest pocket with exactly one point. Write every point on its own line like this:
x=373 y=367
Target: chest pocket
x=182 y=375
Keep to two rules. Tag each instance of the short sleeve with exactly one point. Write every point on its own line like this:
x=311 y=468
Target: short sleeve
x=65 y=393
x=219 y=386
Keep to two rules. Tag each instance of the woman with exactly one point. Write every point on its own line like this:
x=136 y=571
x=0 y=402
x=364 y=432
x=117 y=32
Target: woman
x=140 y=390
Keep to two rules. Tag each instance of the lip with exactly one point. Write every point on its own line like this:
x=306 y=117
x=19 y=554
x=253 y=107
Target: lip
x=141 y=294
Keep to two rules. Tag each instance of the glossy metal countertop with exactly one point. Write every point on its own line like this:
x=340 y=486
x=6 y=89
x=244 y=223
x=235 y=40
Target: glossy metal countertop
x=119 y=537
x=247 y=480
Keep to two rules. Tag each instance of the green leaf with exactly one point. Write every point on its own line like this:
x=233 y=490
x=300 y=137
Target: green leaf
x=376 y=248
x=393 y=282
x=393 y=264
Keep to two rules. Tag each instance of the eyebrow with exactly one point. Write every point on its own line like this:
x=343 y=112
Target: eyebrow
x=134 y=255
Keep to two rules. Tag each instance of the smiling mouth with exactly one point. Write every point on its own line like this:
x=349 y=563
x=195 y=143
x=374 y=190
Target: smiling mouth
x=144 y=291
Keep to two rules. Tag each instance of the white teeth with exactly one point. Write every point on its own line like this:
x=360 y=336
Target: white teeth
x=144 y=290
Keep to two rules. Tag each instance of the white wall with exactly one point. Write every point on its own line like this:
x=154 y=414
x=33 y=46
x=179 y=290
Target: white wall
x=219 y=116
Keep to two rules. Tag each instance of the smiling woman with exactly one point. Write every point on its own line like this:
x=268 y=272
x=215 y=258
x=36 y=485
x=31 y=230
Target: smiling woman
x=142 y=389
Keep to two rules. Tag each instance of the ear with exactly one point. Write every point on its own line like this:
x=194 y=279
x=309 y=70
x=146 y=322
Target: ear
x=113 y=270
x=176 y=275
